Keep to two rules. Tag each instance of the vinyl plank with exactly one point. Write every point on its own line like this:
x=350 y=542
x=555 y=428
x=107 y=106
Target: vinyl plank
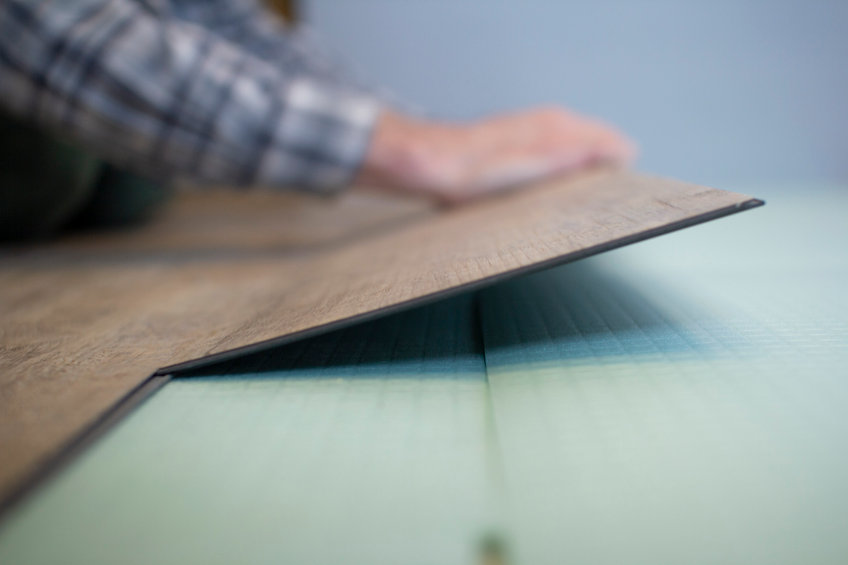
x=86 y=319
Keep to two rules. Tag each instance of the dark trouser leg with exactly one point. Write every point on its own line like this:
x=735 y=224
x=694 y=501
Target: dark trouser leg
x=43 y=182
x=47 y=185
x=121 y=199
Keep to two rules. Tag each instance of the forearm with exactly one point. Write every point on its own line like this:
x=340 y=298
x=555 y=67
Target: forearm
x=172 y=100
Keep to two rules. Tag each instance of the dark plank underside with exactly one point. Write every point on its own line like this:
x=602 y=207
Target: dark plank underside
x=85 y=319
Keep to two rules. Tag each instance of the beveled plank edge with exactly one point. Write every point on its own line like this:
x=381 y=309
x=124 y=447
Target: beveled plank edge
x=55 y=462
x=474 y=285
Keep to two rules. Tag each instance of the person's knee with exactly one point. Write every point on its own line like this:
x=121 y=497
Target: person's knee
x=121 y=199
x=43 y=181
x=47 y=185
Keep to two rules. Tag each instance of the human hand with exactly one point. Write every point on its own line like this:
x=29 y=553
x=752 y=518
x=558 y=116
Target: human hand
x=456 y=163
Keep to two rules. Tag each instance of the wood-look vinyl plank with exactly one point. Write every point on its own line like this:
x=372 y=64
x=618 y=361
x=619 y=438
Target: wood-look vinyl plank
x=85 y=319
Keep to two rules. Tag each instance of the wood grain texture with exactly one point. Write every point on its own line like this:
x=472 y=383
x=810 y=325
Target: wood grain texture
x=86 y=319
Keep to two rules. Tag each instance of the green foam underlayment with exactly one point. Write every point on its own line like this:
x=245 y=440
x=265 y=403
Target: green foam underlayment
x=340 y=449
x=684 y=400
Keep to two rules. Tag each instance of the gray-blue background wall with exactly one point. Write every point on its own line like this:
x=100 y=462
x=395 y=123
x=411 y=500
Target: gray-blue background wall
x=714 y=90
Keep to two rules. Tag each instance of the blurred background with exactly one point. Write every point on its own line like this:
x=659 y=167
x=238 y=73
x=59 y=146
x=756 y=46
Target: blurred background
x=717 y=92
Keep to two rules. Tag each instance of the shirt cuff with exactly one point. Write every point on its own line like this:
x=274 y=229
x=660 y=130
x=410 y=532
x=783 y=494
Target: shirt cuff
x=319 y=138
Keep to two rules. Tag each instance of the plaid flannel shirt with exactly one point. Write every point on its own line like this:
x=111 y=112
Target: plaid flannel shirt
x=210 y=91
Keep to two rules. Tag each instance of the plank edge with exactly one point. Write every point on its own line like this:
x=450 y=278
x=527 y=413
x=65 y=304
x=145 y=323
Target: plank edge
x=54 y=462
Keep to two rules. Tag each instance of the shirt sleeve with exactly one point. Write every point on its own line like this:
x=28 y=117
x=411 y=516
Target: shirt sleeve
x=251 y=25
x=173 y=100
